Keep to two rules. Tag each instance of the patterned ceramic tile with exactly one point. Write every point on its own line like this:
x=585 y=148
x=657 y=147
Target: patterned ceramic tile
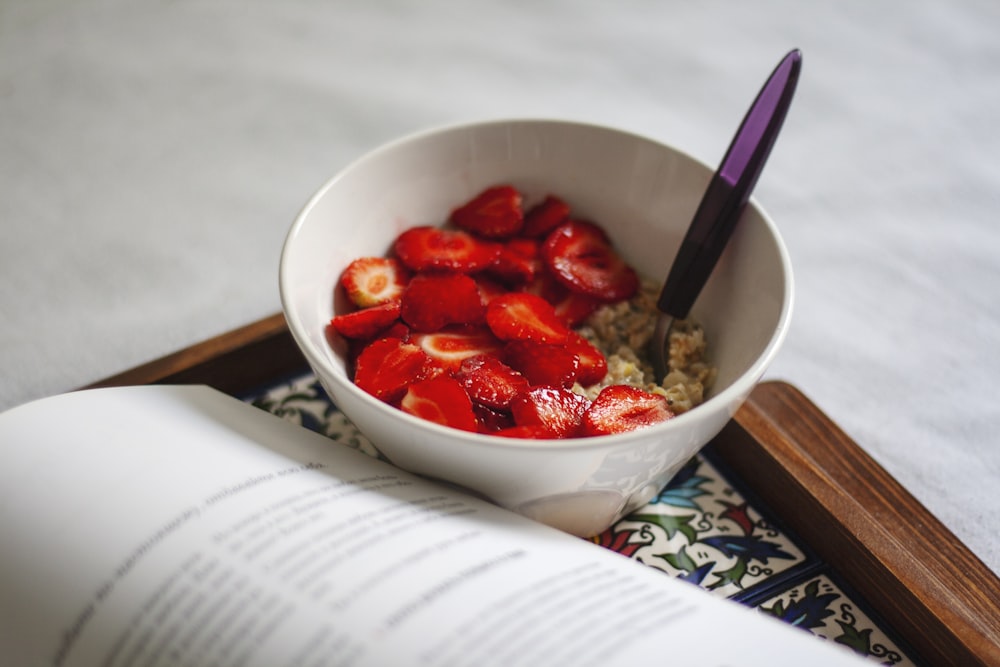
x=303 y=401
x=700 y=528
x=703 y=530
x=823 y=608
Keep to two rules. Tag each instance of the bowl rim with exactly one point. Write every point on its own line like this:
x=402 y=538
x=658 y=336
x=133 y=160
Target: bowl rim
x=740 y=386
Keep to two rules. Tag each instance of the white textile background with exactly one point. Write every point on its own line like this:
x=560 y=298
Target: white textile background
x=154 y=152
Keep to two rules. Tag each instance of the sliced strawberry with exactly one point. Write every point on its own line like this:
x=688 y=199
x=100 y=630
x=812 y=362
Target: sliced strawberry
x=575 y=308
x=386 y=367
x=580 y=256
x=620 y=408
x=395 y=330
x=490 y=382
x=555 y=409
x=366 y=323
x=449 y=347
x=543 y=217
x=513 y=268
x=526 y=248
x=494 y=213
x=441 y=400
x=525 y=316
x=541 y=363
x=593 y=365
x=490 y=420
x=489 y=289
x=433 y=301
x=372 y=281
x=429 y=248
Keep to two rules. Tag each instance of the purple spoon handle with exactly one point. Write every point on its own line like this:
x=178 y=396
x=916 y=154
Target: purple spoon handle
x=729 y=190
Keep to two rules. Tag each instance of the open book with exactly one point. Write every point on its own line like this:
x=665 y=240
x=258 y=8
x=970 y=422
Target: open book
x=149 y=526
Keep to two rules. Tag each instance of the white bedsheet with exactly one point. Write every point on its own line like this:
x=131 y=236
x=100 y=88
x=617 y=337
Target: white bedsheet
x=153 y=154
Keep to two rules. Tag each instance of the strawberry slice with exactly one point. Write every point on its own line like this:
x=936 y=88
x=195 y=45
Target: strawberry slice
x=490 y=420
x=555 y=409
x=442 y=401
x=541 y=363
x=372 y=281
x=513 y=268
x=366 y=323
x=395 y=330
x=386 y=367
x=433 y=301
x=574 y=308
x=526 y=248
x=620 y=408
x=490 y=382
x=489 y=289
x=449 y=347
x=525 y=316
x=545 y=216
x=429 y=248
x=593 y=366
x=494 y=213
x=580 y=256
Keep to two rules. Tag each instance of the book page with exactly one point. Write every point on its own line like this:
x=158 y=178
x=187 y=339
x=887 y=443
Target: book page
x=155 y=526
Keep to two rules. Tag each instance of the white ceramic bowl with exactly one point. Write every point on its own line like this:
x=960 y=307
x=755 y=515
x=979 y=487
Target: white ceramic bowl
x=644 y=193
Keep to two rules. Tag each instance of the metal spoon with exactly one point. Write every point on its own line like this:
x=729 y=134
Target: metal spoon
x=723 y=203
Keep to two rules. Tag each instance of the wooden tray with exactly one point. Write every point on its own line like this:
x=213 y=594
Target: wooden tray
x=936 y=594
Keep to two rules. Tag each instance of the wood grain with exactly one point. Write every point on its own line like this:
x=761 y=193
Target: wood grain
x=907 y=565
x=234 y=362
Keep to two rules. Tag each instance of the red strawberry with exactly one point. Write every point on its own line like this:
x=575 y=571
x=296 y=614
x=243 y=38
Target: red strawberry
x=372 y=281
x=579 y=255
x=489 y=289
x=432 y=301
x=513 y=268
x=452 y=345
x=572 y=308
x=524 y=316
x=441 y=400
x=593 y=365
x=526 y=248
x=545 y=216
x=494 y=213
x=490 y=420
x=366 y=323
x=490 y=382
x=557 y=410
x=620 y=408
x=395 y=330
x=429 y=248
x=541 y=363
x=386 y=367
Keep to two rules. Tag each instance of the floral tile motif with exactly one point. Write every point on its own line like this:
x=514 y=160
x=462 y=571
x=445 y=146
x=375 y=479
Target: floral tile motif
x=700 y=528
x=824 y=609
x=303 y=401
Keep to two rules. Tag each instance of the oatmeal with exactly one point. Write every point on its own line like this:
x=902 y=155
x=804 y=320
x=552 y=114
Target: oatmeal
x=623 y=332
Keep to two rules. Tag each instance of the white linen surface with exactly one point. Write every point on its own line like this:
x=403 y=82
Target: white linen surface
x=153 y=154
